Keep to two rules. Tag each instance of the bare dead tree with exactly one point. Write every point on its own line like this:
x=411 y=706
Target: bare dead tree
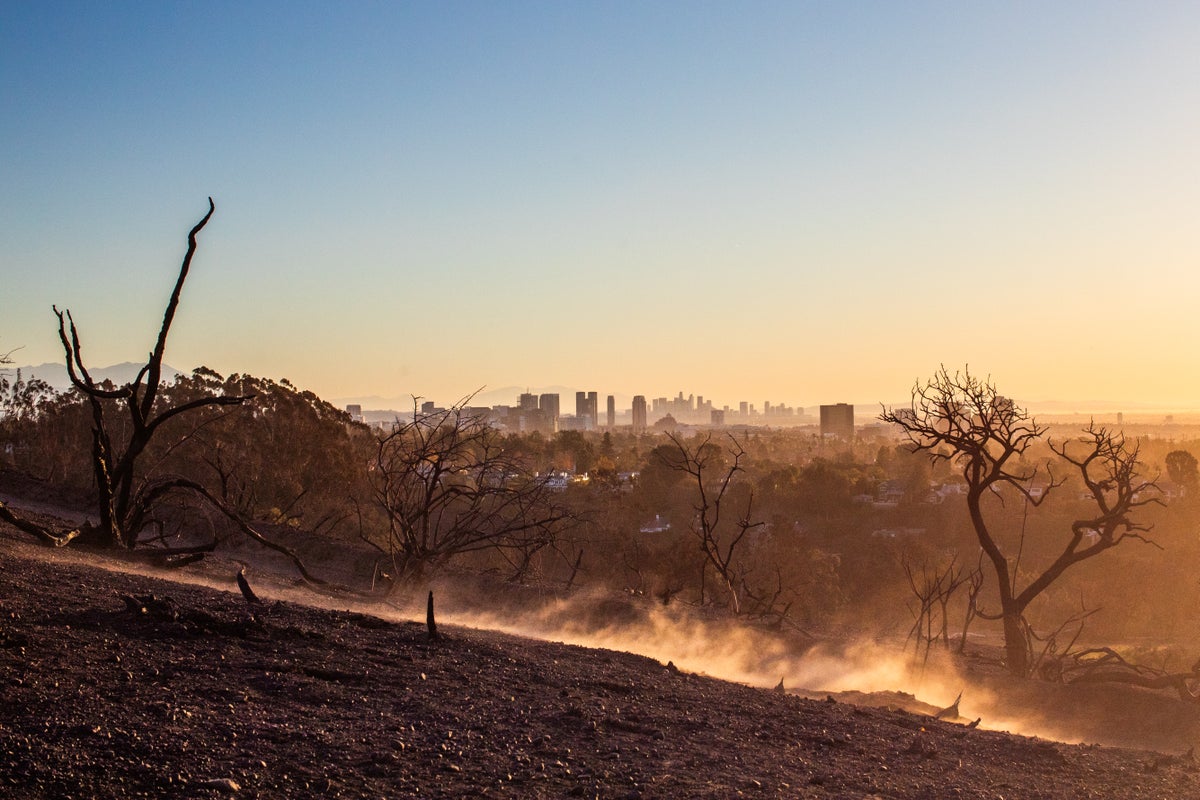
x=125 y=419
x=1109 y=467
x=974 y=589
x=934 y=588
x=123 y=497
x=928 y=585
x=1105 y=665
x=712 y=470
x=770 y=603
x=1048 y=660
x=446 y=486
x=964 y=420
x=632 y=559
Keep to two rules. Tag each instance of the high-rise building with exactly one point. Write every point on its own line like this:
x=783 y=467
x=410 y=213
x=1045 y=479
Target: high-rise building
x=529 y=401
x=838 y=420
x=612 y=412
x=585 y=410
x=639 y=414
x=549 y=405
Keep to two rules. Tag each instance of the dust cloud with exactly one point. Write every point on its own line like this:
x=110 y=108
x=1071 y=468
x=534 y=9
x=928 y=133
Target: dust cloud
x=866 y=672
x=732 y=651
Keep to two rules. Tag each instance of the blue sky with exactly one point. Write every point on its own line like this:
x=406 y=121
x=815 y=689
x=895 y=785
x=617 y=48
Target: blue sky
x=795 y=202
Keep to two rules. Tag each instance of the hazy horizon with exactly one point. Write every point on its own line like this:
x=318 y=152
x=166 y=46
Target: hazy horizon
x=800 y=203
x=55 y=374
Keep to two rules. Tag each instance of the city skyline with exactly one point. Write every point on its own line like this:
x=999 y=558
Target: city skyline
x=542 y=413
x=55 y=374
x=815 y=203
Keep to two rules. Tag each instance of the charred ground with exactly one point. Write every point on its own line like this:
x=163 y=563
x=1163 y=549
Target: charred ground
x=124 y=685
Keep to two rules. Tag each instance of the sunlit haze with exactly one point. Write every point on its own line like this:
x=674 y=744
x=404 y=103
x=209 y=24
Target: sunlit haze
x=797 y=202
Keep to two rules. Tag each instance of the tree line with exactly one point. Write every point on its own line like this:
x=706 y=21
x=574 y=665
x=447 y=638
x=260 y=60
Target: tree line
x=975 y=512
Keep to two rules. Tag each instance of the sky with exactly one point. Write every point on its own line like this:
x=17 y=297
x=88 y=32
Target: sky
x=800 y=202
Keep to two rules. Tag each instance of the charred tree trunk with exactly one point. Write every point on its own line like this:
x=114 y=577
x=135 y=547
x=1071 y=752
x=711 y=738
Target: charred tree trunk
x=1016 y=647
x=430 y=623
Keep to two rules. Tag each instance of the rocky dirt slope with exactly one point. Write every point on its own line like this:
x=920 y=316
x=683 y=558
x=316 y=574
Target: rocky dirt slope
x=117 y=685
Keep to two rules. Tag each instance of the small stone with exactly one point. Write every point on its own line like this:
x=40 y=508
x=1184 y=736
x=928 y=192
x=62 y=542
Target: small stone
x=228 y=784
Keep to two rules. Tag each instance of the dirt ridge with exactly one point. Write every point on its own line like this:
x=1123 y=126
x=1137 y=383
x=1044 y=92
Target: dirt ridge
x=206 y=697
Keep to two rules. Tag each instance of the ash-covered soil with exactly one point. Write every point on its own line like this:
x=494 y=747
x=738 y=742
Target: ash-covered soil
x=116 y=685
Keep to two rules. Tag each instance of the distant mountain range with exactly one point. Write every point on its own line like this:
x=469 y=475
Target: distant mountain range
x=56 y=374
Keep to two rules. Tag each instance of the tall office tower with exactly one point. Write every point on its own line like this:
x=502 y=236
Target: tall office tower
x=838 y=420
x=549 y=404
x=744 y=408
x=585 y=410
x=548 y=411
x=639 y=414
x=612 y=411
x=529 y=402
x=594 y=408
